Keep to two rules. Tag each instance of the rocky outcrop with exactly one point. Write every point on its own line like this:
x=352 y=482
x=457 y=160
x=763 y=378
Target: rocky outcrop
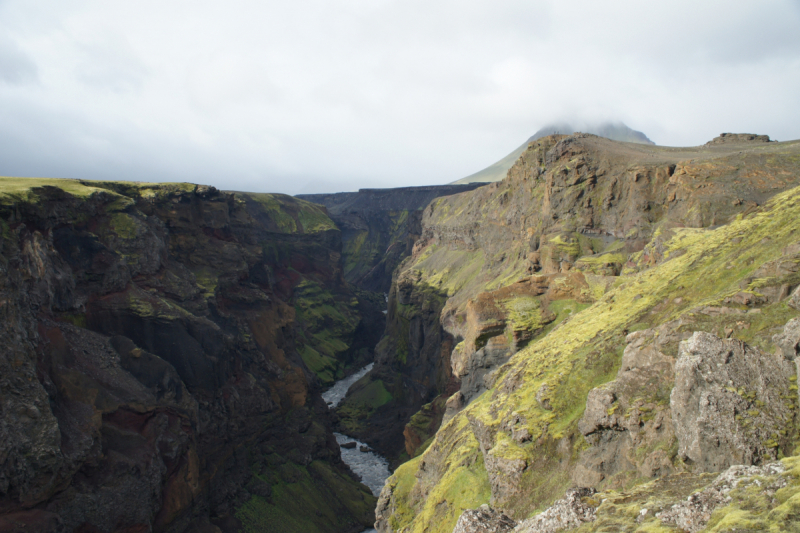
x=725 y=138
x=788 y=341
x=693 y=514
x=794 y=301
x=499 y=323
x=153 y=375
x=667 y=242
x=731 y=403
x=627 y=421
x=570 y=512
x=484 y=520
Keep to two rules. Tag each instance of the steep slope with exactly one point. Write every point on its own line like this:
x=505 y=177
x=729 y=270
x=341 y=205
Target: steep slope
x=160 y=344
x=616 y=131
x=537 y=280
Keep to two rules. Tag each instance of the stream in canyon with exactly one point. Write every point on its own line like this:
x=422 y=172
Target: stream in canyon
x=371 y=467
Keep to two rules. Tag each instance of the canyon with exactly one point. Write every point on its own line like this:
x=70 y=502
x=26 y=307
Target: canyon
x=604 y=340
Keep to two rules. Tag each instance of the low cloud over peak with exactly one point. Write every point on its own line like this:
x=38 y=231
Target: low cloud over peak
x=314 y=97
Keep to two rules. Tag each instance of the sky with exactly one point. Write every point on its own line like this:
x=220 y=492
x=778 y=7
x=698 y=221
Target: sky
x=319 y=96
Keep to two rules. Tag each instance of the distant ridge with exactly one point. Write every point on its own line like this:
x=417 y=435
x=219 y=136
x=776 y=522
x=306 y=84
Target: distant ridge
x=616 y=131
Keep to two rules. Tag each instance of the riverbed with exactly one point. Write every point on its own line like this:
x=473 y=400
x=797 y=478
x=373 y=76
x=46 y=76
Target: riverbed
x=370 y=466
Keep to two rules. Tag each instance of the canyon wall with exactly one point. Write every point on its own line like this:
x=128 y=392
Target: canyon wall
x=379 y=227
x=164 y=348
x=571 y=316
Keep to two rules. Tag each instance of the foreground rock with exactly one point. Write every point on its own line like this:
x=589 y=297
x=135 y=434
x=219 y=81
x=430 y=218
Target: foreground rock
x=731 y=403
x=570 y=512
x=627 y=422
x=484 y=520
x=693 y=514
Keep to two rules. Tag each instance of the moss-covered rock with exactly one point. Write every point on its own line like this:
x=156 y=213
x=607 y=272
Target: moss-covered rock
x=573 y=198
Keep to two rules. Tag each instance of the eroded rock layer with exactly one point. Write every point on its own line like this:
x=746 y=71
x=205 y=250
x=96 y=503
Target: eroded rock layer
x=617 y=314
x=163 y=348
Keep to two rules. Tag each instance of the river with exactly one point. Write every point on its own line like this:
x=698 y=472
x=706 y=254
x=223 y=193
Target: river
x=371 y=467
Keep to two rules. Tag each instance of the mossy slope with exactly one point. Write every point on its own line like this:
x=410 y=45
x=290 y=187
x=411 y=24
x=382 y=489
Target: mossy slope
x=702 y=267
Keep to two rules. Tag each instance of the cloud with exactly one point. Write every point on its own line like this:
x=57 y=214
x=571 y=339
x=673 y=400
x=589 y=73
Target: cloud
x=16 y=67
x=289 y=97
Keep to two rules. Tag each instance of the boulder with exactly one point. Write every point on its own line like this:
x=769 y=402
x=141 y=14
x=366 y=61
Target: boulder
x=788 y=341
x=484 y=520
x=729 y=404
x=794 y=299
x=570 y=512
x=626 y=421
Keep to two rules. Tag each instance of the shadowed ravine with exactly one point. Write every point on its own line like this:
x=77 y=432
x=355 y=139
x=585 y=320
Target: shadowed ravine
x=371 y=467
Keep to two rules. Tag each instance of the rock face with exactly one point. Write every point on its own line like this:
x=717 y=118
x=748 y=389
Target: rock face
x=725 y=138
x=570 y=512
x=693 y=514
x=610 y=130
x=499 y=323
x=660 y=242
x=627 y=422
x=731 y=403
x=788 y=341
x=484 y=520
x=379 y=227
x=154 y=373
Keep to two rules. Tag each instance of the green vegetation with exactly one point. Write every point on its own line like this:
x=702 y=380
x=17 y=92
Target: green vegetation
x=464 y=485
x=704 y=268
x=292 y=215
x=25 y=189
x=313 y=219
x=307 y=500
x=124 y=226
x=326 y=323
x=365 y=398
x=524 y=313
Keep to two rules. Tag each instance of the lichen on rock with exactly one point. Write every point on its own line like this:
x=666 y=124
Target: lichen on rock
x=731 y=403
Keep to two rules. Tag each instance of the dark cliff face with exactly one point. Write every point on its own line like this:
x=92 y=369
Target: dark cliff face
x=162 y=347
x=379 y=227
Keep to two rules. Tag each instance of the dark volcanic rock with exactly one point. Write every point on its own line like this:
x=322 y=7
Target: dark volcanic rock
x=738 y=138
x=379 y=227
x=150 y=377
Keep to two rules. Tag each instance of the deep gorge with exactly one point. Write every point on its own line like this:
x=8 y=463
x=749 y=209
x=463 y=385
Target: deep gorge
x=168 y=344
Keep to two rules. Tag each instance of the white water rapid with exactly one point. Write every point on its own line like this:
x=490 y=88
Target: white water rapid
x=371 y=467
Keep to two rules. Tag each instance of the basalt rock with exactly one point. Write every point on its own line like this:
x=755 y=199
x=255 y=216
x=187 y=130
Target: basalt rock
x=627 y=421
x=152 y=376
x=731 y=403
x=725 y=138
x=484 y=520
x=570 y=512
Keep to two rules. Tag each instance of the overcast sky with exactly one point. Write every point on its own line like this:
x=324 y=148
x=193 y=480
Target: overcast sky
x=322 y=96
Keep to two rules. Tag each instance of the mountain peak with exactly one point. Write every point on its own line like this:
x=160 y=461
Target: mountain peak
x=616 y=131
